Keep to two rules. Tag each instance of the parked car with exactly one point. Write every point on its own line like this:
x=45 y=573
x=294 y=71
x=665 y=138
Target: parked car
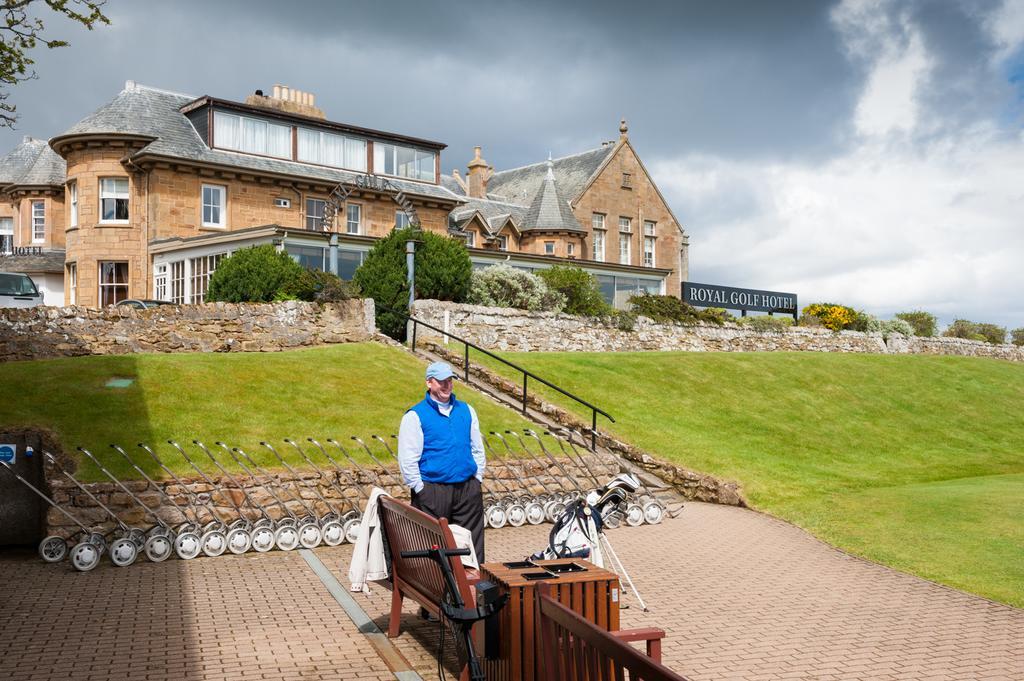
x=18 y=290
x=142 y=303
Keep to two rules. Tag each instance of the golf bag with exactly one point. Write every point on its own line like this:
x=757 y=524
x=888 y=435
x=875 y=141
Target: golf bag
x=577 y=531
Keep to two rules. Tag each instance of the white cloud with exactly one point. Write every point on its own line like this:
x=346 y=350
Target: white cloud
x=893 y=224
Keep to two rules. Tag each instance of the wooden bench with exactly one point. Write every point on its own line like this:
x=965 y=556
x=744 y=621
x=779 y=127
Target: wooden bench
x=409 y=529
x=574 y=649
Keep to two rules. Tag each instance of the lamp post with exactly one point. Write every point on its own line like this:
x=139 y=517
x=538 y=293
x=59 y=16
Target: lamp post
x=410 y=266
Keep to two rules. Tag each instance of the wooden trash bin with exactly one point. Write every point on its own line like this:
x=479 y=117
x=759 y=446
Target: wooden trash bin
x=593 y=592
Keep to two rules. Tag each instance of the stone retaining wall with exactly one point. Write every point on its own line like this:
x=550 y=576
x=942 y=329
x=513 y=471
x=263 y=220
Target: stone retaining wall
x=520 y=331
x=513 y=475
x=43 y=332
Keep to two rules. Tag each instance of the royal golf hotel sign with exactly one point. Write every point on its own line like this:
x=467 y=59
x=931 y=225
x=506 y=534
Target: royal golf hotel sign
x=745 y=299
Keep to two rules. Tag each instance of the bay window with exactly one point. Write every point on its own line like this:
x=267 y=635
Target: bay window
x=114 y=199
x=38 y=222
x=113 y=282
x=73 y=202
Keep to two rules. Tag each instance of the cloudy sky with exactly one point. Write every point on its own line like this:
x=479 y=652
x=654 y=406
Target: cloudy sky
x=864 y=151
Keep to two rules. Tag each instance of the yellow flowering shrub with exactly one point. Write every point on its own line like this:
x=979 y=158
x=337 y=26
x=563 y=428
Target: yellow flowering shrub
x=832 y=316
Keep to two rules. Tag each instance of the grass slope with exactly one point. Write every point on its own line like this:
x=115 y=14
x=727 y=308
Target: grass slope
x=916 y=462
x=337 y=391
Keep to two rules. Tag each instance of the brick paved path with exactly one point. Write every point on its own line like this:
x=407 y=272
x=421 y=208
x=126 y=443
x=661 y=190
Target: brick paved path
x=742 y=596
x=745 y=596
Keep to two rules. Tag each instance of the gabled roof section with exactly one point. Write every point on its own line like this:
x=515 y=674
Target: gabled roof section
x=550 y=209
x=144 y=112
x=32 y=163
x=572 y=173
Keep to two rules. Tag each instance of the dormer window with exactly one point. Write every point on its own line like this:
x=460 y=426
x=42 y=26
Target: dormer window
x=391 y=159
x=251 y=135
x=338 y=151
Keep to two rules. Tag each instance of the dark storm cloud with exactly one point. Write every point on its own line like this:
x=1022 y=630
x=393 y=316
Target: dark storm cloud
x=751 y=79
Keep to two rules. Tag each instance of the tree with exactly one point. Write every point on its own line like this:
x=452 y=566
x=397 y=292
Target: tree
x=443 y=272
x=21 y=32
x=255 y=275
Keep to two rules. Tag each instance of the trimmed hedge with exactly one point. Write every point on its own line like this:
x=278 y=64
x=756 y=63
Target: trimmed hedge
x=253 y=275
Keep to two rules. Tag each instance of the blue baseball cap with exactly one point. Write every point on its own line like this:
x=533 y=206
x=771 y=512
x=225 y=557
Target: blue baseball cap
x=439 y=371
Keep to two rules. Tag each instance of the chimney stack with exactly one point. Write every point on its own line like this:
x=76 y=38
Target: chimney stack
x=478 y=173
x=287 y=99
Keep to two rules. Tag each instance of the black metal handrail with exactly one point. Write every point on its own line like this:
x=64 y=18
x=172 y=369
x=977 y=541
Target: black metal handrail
x=594 y=411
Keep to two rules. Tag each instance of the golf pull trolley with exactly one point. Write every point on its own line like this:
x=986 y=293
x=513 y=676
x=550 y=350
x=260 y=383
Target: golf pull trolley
x=244 y=533
x=351 y=518
x=85 y=546
x=453 y=607
x=332 y=532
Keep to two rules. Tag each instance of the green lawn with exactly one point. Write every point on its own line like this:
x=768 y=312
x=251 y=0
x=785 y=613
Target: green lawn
x=337 y=391
x=916 y=462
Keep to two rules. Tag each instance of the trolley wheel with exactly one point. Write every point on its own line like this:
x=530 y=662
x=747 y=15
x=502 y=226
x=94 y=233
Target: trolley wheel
x=516 y=515
x=352 y=530
x=262 y=539
x=613 y=520
x=158 y=548
x=123 y=552
x=654 y=512
x=187 y=545
x=214 y=543
x=264 y=522
x=239 y=540
x=495 y=516
x=240 y=523
x=286 y=537
x=286 y=522
x=351 y=515
x=53 y=549
x=97 y=540
x=213 y=526
x=85 y=556
x=534 y=513
x=310 y=535
x=634 y=515
x=137 y=537
x=552 y=510
x=333 y=532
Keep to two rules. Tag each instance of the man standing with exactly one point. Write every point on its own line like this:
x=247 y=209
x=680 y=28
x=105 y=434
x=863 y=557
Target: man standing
x=441 y=454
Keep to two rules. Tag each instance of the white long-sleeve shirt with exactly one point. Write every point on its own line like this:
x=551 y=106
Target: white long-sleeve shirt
x=410 y=446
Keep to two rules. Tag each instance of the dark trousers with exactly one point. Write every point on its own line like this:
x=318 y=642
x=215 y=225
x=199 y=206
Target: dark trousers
x=461 y=503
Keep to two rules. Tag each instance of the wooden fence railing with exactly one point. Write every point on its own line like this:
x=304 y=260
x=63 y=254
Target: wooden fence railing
x=574 y=649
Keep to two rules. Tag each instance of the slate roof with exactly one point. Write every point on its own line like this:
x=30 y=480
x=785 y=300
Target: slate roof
x=149 y=112
x=572 y=173
x=32 y=162
x=452 y=185
x=47 y=261
x=494 y=212
x=550 y=210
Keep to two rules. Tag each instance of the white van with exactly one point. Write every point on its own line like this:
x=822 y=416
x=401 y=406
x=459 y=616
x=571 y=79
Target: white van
x=18 y=290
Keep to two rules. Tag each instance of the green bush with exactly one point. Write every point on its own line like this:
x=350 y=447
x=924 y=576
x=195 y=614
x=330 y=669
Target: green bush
x=890 y=326
x=624 y=320
x=443 y=272
x=1017 y=337
x=990 y=333
x=253 y=275
x=505 y=286
x=318 y=286
x=581 y=290
x=766 y=324
x=668 y=309
x=924 y=323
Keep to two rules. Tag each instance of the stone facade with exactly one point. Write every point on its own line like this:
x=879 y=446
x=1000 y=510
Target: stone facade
x=504 y=476
x=638 y=199
x=44 y=332
x=521 y=331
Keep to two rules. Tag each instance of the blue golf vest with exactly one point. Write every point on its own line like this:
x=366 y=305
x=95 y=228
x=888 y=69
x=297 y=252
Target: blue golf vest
x=447 y=448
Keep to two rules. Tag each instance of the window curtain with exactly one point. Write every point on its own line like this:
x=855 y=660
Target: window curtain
x=254 y=136
x=333 y=150
x=309 y=146
x=355 y=154
x=227 y=130
x=279 y=141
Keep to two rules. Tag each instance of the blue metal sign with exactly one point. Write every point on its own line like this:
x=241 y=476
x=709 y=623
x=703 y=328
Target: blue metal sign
x=7 y=453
